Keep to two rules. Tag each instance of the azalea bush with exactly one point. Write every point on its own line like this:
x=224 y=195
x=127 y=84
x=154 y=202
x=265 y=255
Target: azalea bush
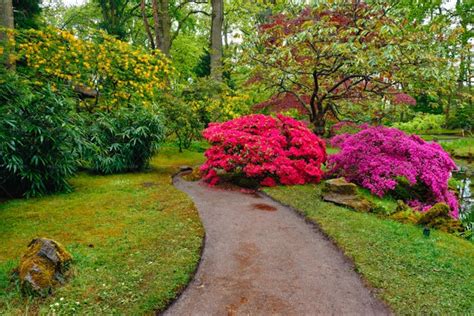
x=267 y=149
x=113 y=71
x=387 y=160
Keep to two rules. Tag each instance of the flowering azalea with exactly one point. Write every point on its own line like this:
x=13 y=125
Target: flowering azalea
x=264 y=148
x=378 y=157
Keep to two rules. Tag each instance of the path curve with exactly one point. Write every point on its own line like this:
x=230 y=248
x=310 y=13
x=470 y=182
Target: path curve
x=261 y=258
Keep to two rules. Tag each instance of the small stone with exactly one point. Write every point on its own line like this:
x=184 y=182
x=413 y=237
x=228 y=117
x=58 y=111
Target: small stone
x=341 y=192
x=352 y=201
x=43 y=266
x=185 y=168
x=438 y=217
x=340 y=186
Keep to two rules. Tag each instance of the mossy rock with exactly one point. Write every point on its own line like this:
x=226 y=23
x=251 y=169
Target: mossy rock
x=406 y=216
x=339 y=186
x=43 y=266
x=438 y=217
x=194 y=175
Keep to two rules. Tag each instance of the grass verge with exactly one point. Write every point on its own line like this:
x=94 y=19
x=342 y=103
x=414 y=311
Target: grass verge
x=412 y=273
x=463 y=147
x=135 y=239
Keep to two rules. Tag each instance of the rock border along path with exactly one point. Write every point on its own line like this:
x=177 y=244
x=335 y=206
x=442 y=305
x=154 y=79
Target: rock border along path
x=261 y=258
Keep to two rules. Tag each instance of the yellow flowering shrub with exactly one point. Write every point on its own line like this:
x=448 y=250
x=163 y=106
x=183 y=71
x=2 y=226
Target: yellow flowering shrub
x=221 y=108
x=118 y=72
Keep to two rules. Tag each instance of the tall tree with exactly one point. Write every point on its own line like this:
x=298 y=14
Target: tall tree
x=216 y=39
x=117 y=16
x=342 y=52
x=146 y=24
x=6 y=21
x=162 y=25
x=168 y=19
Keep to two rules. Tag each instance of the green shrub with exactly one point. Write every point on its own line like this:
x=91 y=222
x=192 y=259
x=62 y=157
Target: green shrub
x=183 y=123
x=423 y=122
x=121 y=141
x=462 y=118
x=38 y=139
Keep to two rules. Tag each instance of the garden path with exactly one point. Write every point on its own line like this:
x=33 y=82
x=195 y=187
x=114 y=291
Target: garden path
x=262 y=258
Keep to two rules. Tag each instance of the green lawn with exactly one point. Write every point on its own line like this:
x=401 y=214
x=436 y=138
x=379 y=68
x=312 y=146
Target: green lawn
x=412 y=273
x=135 y=239
x=463 y=147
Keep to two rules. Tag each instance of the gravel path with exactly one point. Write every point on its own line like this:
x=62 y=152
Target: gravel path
x=261 y=258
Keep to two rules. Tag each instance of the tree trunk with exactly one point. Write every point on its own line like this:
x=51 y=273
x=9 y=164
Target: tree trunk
x=216 y=39
x=319 y=125
x=147 y=25
x=162 y=25
x=6 y=21
x=165 y=44
x=156 y=22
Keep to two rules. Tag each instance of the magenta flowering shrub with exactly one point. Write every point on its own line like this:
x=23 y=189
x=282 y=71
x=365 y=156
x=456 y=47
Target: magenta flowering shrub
x=403 y=98
x=268 y=149
x=378 y=157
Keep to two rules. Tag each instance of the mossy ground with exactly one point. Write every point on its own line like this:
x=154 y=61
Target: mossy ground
x=135 y=240
x=414 y=274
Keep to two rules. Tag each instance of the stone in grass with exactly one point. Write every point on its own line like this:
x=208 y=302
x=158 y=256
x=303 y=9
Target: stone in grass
x=340 y=186
x=344 y=193
x=185 y=168
x=43 y=266
x=438 y=217
x=194 y=175
x=405 y=214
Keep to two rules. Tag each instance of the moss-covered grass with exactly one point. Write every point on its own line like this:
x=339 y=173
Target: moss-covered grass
x=414 y=274
x=135 y=240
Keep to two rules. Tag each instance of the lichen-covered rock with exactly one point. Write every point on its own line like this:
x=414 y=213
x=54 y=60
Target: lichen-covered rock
x=352 y=201
x=185 y=168
x=193 y=175
x=43 y=266
x=341 y=192
x=407 y=216
x=340 y=186
x=438 y=217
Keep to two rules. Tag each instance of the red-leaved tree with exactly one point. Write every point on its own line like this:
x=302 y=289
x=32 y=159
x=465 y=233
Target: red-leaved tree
x=341 y=51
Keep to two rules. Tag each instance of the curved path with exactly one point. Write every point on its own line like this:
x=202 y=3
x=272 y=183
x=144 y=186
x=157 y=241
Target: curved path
x=261 y=258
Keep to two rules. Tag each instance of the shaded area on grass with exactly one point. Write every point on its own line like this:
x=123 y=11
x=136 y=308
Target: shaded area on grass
x=412 y=273
x=135 y=240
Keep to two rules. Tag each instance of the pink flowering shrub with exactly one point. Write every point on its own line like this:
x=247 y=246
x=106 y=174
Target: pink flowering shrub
x=403 y=98
x=381 y=158
x=267 y=149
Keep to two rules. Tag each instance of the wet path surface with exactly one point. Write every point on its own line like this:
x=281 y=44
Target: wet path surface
x=261 y=258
